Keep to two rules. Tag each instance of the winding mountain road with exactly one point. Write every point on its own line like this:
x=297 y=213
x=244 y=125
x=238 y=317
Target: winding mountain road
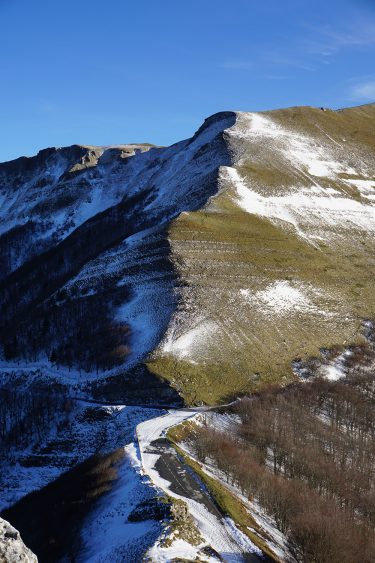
x=168 y=472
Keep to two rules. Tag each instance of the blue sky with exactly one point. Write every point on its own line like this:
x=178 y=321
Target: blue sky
x=119 y=71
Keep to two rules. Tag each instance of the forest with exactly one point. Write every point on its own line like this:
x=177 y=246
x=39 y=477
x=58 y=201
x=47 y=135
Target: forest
x=26 y=417
x=306 y=455
x=73 y=324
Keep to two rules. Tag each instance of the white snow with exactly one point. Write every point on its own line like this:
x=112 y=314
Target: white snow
x=335 y=369
x=179 y=549
x=83 y=437
x=283 y=297
x=39 y=197
x=107 y=535
x=247 y=545
x=333 y=372
x=189 y=343
x=147 y=313
x=44 y=368
x=215 y=532
x=365 y=187
x=305 y=210
x=151 y=430
x=173 y=180
x=298 y=149
x=362 y=184
x=133 y=455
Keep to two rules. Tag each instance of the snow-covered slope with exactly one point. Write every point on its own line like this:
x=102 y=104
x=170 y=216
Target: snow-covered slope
x=100 y=290
x=44 y=198
x=212 y=263
x=219 y=533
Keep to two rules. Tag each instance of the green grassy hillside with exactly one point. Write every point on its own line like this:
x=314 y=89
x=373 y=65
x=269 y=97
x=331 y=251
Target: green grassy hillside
x=281 y=262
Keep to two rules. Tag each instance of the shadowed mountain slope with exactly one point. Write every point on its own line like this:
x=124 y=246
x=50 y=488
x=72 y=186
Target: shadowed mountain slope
x=98 y=288
x=212 y=263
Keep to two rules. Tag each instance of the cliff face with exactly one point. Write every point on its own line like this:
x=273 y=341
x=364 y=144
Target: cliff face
x=212 y=263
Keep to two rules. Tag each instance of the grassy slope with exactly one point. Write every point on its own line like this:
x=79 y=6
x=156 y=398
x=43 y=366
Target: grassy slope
x=222 y=249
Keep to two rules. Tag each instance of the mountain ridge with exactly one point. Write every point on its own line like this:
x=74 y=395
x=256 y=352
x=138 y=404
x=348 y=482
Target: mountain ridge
x=266 y=191
x=152 y=145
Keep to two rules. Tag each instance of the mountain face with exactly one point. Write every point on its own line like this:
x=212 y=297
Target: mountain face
x=201 y=270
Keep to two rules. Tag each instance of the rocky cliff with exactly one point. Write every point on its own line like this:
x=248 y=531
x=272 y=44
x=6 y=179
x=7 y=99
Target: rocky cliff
x=12 y=548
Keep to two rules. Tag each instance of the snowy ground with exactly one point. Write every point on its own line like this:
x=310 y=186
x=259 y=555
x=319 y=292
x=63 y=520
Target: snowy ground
x=305 y=210
x=275 y=540
x=159 y=461
x=36 y=465
x=107 y=535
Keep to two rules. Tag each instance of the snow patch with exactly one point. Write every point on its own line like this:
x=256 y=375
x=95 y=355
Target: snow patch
x=365 y=187
x=179 y=549
x=133 y=455
x=147 y=314
x=190 y=342
x=246 y=543
x=298 y=149
x=336 y=368
x=282 y=297
x=107 y=535
x=306 y=210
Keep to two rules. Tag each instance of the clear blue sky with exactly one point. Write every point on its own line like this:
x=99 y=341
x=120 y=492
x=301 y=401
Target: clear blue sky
x=122 y=71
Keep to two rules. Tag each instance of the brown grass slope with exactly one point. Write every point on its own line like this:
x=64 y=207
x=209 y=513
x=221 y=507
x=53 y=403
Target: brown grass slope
x=257 y=290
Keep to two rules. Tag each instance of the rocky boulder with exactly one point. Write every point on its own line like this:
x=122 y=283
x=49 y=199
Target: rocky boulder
x=12 y=548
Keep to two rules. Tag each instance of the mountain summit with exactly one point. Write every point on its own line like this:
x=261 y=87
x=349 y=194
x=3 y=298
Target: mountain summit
x=201 y=270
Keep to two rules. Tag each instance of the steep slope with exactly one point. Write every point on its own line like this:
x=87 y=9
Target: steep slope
x=44 y=198
x=281 y=262
x=211 y=264
x=102 y=295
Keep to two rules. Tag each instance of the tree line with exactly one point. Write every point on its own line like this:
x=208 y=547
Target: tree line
x=26 y=417
x=307 y=456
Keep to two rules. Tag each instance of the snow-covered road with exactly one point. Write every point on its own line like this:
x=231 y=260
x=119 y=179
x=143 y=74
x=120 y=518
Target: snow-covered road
x=161 y=463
